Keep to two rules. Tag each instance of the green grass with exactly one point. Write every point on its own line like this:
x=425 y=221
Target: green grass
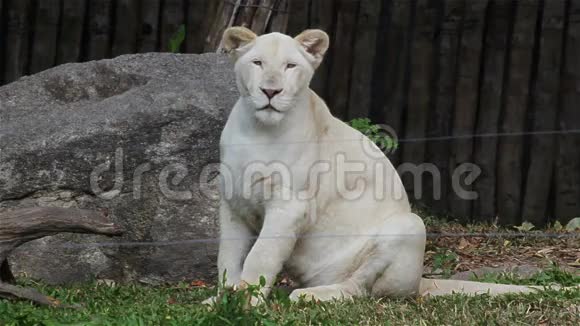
x=180 y=305
x=548 y=277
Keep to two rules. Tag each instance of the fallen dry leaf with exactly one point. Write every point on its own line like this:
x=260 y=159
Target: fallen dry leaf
x=574 y=309
x=55 y=302
x=198 y=284
x=546 y=250
x=463 y=243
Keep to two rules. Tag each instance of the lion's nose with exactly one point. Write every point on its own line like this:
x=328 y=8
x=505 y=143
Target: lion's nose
x=271 y=92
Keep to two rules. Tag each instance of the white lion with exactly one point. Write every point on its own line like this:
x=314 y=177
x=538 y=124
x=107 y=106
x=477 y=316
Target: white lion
x=304 y=191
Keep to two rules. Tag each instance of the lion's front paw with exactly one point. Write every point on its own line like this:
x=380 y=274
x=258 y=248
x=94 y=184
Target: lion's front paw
x=320 y=293
x=253 y=300
x=256 y=301
x=210 y=301
x=305 y=294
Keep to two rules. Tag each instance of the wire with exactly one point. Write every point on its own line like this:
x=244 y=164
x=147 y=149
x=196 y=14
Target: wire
x=407 y=140
x=315 y=236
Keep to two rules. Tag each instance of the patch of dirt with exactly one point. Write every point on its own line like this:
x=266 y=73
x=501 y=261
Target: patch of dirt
x=475 y=247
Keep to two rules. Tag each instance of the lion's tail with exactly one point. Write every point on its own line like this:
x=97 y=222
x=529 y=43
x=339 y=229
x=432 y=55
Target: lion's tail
x=433 y=287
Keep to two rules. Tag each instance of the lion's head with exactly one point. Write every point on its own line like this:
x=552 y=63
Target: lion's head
x=273 y=71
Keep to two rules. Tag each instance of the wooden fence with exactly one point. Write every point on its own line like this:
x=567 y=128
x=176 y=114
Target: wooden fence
x=495 y=83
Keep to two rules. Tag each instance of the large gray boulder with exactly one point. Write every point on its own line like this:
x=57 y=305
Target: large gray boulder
x=137 y=135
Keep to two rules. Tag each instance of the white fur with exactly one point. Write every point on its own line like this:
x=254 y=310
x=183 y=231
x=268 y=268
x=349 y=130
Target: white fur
x=326 y=227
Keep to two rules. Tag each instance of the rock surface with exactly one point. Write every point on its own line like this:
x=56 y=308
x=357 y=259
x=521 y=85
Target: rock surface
x=523 y=271
x=132 y=134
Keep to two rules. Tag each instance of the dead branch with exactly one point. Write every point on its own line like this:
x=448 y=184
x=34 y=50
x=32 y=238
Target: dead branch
x=23 y=225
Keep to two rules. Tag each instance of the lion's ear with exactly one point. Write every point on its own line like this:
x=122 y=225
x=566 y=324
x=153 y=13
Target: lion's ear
x=316 y=43
x=236 y=38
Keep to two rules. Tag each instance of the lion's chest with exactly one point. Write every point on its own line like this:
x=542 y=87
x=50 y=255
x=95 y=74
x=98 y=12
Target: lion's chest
x=258 y=173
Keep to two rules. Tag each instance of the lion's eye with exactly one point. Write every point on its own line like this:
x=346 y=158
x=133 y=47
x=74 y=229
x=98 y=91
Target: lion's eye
x=290 y=66
x=257 y=63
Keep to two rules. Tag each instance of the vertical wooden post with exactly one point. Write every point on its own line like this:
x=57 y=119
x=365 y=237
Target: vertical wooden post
x=440 y=117
x=200 y=14
x=226 y=11
x=420 y=92
x=567 y=174
x=17 y=39
x=100 y=30
x=246 y=14
x=322 y=17
x=298 y=18
x=172 y=18
x=340 y=74
x=148 y=40
x=393 y=66
x=545 y=105
x=262 y=16
x=466 y=100
x=490 y=103
x=365 y=49
x=259 y=16
x=511 y=149
x=280 y=18
x=127 y=27
x=44 y=42
x=71 y=31
x=2 y=42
